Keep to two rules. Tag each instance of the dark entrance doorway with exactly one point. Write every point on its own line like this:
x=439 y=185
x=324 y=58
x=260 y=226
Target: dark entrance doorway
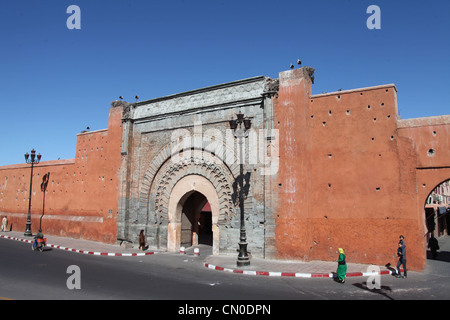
x=437 y=220
x=196 y=221
x=205 y=233
x=437 y=209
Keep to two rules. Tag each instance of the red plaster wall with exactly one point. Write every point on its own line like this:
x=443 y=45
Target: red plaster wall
x=291 y=232
x=347 y=177
x=82 y=194
x=351 y=175
x=429 y=138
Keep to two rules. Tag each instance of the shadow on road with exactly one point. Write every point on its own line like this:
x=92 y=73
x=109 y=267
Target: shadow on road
x=441 y=256
x=384 y=290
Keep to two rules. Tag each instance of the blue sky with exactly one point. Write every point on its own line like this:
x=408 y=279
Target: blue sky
x=54 y=82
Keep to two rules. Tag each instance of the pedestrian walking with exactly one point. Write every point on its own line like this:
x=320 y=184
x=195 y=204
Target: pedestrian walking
x=402 y=240
x=342 y=267
x=4 y=223
x=433 y=245
x=142 y=240
x=401 y=253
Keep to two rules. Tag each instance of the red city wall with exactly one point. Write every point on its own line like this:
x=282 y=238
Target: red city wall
x=429 y=138
x=351 y=175
x=82 y=194
x=348 y=175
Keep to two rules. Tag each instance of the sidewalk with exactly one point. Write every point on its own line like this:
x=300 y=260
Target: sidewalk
x=81 y=246
x=225 y=263
x=278 y=268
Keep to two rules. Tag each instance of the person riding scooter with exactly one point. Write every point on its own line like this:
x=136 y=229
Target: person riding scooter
x=39 y=239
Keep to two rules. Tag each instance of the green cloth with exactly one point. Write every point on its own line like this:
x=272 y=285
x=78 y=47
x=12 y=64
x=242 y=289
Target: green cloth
x=342 y=267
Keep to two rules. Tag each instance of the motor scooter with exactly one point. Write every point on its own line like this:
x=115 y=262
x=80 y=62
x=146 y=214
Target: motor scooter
x=39 y=244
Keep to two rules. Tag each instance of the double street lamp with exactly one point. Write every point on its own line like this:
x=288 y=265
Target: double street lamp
x=33 y=159
x=240 y=126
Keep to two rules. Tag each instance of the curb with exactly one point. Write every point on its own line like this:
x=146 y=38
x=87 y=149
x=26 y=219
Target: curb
x=214 y=267
x=295 y=274
x=108 y=254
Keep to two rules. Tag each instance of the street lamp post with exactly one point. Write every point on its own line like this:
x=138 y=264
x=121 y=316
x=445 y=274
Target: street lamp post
x=240 y=126
x=33 y=159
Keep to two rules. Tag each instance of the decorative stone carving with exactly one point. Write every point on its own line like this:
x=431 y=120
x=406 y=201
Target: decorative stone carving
x=202 y=163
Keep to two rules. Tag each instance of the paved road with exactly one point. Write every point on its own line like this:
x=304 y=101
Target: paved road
x=25 y=274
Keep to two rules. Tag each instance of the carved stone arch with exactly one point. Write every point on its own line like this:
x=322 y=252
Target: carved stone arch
x=167 y=169
x=183 y=189
x=202 y=164
x=227 y=160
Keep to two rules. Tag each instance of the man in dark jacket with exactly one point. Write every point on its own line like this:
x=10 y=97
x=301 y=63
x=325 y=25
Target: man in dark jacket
x=433 y=245
x=142 y=241
x=401 y=253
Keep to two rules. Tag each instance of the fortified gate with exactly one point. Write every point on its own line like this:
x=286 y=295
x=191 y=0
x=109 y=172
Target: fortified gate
x=181 y=154
x=321 y=172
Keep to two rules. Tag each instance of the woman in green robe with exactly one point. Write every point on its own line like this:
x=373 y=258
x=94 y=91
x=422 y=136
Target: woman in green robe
x=342 y=267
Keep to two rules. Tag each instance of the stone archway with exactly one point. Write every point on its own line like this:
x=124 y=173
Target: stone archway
x=427 y=181
x=158 y=188
x=182 y=190
x=436 y=218
x=191 y=219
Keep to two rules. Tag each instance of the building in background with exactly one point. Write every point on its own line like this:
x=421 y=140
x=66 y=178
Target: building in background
x=437 y=209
